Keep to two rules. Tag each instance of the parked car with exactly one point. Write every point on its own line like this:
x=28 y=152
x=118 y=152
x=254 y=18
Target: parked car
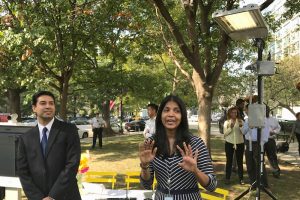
x=84 y=130
x=194 y=118
x=114 y=120
x=216 y=116
x=28 y=121
x=83 y=133
x=3 y=117
x=116 y=127
x=80 y=121
x=136 y=125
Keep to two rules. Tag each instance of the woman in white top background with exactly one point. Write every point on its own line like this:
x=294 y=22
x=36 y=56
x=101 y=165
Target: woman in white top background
x=234 y=142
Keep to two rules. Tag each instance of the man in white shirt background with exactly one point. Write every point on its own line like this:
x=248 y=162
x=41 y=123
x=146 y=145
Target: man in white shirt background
x=97 y=125
x=270 y=146
x=251 y=155
x=150 y=123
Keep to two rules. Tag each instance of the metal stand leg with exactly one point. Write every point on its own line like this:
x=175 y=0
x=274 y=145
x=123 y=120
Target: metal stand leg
x=252 y=187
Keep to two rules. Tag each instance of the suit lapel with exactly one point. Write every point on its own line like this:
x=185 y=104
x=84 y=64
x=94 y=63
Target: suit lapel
x=53 y=133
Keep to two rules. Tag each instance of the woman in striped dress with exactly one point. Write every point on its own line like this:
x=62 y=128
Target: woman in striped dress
x=179 y=159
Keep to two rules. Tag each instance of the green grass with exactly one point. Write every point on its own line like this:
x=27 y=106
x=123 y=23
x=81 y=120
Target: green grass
x=120 y=154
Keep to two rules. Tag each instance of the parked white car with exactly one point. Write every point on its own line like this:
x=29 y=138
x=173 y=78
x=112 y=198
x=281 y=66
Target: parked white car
x=85 y=131
x=83 y=134
x=194 y=118
x=116 y=127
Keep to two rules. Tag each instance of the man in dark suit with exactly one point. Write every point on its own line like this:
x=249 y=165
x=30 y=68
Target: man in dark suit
x=49 y=154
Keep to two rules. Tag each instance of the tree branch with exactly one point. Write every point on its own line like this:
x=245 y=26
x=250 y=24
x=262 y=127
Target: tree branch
x=221 y=58
x=167 y=70
x=178 y=37
x=170 y=51
x=287 y=107
x=205 y=29
x=58 y=33
x=55 y=86
x=190 y=8
x=45 y=66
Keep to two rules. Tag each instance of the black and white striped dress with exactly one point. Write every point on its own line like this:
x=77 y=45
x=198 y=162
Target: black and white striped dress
x=183 y=184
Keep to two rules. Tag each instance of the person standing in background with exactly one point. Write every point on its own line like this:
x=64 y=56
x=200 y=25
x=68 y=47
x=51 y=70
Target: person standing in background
x=49 y=154
x=97 y=126
x=240 y=104
x=234 y=143
x=150 y=123
x=251 y=155
x=270 y=146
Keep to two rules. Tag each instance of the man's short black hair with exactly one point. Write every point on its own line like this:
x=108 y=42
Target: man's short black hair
x=239 y=101
x=41 y=93
x=153 y=106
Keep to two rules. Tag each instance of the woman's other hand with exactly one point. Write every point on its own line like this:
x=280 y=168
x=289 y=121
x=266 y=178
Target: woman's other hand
x=189 y=160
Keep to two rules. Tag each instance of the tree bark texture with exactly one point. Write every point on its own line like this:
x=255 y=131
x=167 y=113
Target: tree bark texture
x=14 y=99
x=106 y=117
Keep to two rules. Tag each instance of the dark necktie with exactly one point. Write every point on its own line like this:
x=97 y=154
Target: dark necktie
x=44 y=141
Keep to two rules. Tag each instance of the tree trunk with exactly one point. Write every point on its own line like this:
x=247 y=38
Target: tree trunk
x=106 y=118
x=14 y=99
x=64 y=100
x=204 y=98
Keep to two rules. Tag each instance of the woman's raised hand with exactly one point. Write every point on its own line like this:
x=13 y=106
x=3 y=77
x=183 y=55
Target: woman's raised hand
x=146 y=151
x=189 y=160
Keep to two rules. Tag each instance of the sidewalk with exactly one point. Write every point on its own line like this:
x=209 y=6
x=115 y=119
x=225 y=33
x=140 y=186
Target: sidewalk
x=292 y=156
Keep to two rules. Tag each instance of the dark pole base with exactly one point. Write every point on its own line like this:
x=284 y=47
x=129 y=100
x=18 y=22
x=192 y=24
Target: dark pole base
x=246 y=191
x=268 y=192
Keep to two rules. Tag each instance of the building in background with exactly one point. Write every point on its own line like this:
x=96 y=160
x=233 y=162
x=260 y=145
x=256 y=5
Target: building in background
x=287 y=37
x=286 y=42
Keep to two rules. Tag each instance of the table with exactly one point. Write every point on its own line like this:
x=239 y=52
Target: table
x=12 y=187
x=115 y=194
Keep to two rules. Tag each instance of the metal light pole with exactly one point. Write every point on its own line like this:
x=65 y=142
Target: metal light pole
x=248 y=23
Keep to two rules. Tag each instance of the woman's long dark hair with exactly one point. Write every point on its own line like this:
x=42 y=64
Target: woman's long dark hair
x=182 y=132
